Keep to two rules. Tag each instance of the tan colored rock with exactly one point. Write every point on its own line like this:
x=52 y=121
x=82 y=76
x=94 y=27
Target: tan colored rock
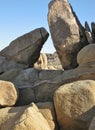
x=86 y=55
x=48 y=111
x=48 y=62
x=65 y=32
x=41 y=62
x=22 y=118
x=26 y=49
x=92 y=124
x=89 y=37
x=74 y=105
x=8 y=93
x=53 y=62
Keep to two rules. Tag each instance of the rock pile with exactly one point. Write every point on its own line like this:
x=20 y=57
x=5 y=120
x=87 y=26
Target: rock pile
x=36 y=92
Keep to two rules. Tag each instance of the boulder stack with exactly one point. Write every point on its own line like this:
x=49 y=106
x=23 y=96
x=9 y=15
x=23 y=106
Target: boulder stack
x=36 y=92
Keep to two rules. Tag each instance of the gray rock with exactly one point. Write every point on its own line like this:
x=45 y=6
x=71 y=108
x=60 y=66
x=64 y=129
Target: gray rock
x=10 y=75
x=87 y=28
x=6 y=65
x=26 y=96
x=27 y=78
x=26 y=49
x=65 y=32
x=92 y=124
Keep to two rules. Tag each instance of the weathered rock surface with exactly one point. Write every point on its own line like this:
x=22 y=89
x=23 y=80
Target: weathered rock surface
x=7 y=65
x=36 y=85
x=8 y=94
x=86 y=55
x=75 y=105
x=22 y=118
x=26 y=96
x=65 y=32
x=92 y=124
x=53 y=62
x=26 y=49
x=10 y=74
x=48 y=111
x=41 y=63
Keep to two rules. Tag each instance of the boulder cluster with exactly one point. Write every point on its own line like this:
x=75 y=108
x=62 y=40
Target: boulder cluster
x=41 y=91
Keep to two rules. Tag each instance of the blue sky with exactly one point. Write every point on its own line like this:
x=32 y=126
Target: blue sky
x=18 y=17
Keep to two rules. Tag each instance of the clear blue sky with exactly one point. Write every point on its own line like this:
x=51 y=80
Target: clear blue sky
x=18 y=17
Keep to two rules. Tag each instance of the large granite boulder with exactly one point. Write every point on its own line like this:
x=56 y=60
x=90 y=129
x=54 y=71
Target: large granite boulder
x=75 y=105
x=22 y=118
x=8 y=94
x=66 y=32
x=26 y=49
x=86 y=55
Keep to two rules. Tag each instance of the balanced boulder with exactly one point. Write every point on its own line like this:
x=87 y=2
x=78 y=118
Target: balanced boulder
x=65 y=32
x=26 y=49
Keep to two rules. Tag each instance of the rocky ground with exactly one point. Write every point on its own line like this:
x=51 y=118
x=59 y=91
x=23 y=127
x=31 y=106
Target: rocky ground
x=41 y=91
